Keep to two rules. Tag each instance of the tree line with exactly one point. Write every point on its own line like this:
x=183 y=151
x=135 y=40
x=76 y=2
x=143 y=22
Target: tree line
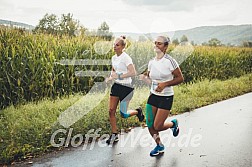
x=67 y=25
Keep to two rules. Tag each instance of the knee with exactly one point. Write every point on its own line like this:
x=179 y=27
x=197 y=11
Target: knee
x=112 y=112
x=157 y=126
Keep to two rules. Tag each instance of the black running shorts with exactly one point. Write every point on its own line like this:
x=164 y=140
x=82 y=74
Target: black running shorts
x=163 y=102
x=125 y=93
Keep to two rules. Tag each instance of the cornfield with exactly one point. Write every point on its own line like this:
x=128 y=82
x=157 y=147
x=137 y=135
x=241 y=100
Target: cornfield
x=30 y=68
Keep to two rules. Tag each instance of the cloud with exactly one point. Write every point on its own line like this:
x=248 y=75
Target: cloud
x=5 y=5
x=164 y=5
x=143 y=14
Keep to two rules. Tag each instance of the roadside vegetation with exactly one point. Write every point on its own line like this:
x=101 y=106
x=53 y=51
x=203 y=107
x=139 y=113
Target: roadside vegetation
x=25 y=130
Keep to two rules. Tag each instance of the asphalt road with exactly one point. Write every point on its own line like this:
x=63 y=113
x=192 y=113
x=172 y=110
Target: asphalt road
x=215 y=135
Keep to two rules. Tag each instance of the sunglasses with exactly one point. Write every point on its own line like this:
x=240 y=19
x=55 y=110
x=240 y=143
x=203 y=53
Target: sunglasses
x=160 y=43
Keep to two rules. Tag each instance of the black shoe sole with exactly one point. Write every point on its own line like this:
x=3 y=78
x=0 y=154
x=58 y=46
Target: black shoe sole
x=140 y=116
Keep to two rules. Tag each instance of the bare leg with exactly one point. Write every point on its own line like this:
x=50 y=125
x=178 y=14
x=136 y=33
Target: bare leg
x=113 y=102
x=159 y=121
x=152 y=131
x=131 y=112
x=160 y=116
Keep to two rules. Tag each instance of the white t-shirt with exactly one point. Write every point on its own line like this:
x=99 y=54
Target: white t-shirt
x=161 y=71
x=120 y=64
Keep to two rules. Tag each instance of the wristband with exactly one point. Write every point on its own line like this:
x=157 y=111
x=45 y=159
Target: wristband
x=119 y=76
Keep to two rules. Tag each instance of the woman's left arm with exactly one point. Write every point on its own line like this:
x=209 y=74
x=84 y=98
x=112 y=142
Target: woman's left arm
x=131 y=72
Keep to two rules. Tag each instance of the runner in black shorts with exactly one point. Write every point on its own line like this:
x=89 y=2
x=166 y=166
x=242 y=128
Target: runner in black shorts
x=121 y=91
x=163 y=73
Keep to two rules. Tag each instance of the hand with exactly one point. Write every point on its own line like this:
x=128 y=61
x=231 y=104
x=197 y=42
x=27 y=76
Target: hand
x=142 y=77
x=114 y=75
x=160 y=87
x=108 y=79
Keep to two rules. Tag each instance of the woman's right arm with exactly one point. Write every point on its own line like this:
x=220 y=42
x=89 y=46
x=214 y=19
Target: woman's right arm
x=145 y=77
x=109 y=78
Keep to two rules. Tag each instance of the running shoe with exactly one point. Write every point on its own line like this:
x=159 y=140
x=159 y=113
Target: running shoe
x=140 y=115
x=112 y=138
x=157 y=150
x=175 y=128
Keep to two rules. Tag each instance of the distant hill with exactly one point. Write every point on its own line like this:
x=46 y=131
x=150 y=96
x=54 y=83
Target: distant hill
x=227 y=34
x=233 y=34
x=16 y=24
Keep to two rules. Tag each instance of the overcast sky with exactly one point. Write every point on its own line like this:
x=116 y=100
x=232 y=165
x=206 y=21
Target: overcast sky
x=133 y=15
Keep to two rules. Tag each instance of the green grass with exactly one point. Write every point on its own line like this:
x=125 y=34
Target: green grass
x=26 y=130
x=191 y=96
